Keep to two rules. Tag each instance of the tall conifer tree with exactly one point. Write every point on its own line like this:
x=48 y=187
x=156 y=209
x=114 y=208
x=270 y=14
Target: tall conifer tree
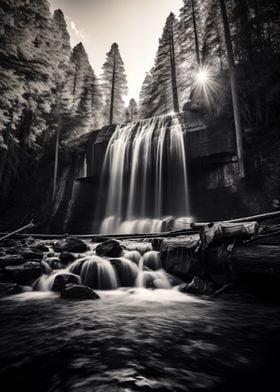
x=114 y=85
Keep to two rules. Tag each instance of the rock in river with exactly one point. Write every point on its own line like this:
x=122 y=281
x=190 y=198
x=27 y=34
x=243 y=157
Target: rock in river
x=66 y=257
x=78 y=292
x=109 y=248
x=70 y=244
x=29 y=254
x=9 y=289
x=198 y=286
x=62 y=280
x=25 y=273
x=8 y=259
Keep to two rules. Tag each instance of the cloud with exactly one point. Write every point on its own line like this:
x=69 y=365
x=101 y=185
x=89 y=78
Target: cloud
x=74 y=29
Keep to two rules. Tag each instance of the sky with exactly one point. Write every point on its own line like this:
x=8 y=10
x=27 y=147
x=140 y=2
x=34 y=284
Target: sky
x=136 y=25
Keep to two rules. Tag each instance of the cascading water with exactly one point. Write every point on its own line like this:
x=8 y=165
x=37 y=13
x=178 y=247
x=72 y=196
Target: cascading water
x=139 y=267
x=145 y=174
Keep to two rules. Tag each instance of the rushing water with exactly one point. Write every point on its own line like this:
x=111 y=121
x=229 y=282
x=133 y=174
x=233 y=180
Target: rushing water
x=145 y=176
x=139 y=340
x=137 y=266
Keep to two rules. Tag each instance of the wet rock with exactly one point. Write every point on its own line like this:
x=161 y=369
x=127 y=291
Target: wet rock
x=46 y=268
x=127 y=271
x=32 y=254
x=54 y=263
x=9 y=243
x=198 y=286
x=70 y=244
x=62 y=280
x=151 y=260
x=133 y=255
x=109 y=248
x=30 y=239
x=24 y=273
x=40 y=246
x=67 y=257
x=16 y=250
x=156 y=243
x=8 y=259
x=78 y=292
x=9 y=289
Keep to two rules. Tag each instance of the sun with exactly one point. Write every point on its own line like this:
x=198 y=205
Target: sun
x=202 y=76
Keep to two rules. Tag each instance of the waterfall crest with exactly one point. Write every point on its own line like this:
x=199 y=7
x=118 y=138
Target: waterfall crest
x=145 y=173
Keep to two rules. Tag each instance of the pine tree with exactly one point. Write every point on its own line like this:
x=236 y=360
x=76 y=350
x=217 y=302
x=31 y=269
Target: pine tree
x=159 y=93
x=114 y=85
x=86 y=94
x=132 y=111
x=145 y=96
x=189 y=43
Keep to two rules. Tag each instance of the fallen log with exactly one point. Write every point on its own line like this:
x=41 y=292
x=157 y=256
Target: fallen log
x=258 y=218
x=215 y=234
x=102 y=237
x=179 y=255
x=248 y=260
x=192 y=229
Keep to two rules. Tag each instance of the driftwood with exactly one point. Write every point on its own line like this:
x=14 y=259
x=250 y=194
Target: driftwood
x=9 y=235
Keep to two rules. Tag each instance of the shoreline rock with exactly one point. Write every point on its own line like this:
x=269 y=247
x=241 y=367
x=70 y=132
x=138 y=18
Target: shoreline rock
x=78 y=292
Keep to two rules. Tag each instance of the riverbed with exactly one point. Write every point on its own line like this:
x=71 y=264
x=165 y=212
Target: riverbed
x=138 y=340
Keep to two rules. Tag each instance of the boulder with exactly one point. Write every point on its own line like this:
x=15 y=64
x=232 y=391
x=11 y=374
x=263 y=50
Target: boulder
x=198 y=286
x=66 y=257
x=15 y=250
x=9 y=289
x=109 y=248
x=11 y=260
x=62 y=280
x=78 y=292
x=29 y=254
x=40 y=246
x=156 y=243
x=54 y=263
x=70 y=244
x=24 y=273
x=10 y=243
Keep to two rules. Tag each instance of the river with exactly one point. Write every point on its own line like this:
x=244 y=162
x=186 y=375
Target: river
x=138 y=340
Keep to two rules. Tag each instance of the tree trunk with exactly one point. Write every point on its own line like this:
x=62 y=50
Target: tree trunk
x=113 y=91
x=234 y=92
x=256 y=259
x=75 y=79
x=173 y=69
x=195 y=32
x=56 y=150
x=55 y=163
x=226 y=233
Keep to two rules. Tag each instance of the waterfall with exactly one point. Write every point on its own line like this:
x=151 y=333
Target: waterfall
x=139 y=267
x=145 y=174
